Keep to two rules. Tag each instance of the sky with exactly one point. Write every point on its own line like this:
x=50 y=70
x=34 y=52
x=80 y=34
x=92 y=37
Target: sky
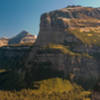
x=19 y=15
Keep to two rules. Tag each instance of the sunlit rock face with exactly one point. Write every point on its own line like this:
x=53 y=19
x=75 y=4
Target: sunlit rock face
x=3 y=41
x=56 y=25
x=68 y=43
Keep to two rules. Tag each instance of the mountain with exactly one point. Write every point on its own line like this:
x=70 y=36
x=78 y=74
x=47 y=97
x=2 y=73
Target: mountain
x=82 y=22
x=23 y=38
x=67 y=46
x=3 y=41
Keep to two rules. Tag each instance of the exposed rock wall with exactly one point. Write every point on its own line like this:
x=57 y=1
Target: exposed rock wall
x=77 y=28
x=10 y=57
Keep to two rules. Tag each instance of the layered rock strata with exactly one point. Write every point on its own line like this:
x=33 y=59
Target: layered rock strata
x=69 y=44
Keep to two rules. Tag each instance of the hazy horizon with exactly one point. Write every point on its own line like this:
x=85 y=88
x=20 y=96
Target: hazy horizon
x=19 y=15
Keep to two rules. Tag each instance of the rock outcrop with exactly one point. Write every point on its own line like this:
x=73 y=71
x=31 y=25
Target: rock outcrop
x=71 y=24
x=68 y=44
x=67 y=47
x=10 y=57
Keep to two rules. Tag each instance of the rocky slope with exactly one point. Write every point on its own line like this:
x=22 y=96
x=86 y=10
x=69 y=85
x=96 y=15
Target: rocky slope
x=3 y=41
x=67 y=46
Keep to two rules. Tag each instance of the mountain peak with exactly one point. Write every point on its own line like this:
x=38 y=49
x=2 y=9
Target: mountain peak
x=23 y=37
x=24 y=33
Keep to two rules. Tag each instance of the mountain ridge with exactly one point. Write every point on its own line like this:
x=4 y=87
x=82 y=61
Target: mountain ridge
x=23 y=38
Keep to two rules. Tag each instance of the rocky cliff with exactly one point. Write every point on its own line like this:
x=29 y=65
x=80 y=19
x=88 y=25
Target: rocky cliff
x=67 y=46
x=71 y=24
x=10 y=57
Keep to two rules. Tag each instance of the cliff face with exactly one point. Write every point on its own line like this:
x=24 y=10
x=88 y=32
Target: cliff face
x=70 y=24
x=10 y=57
x=68 y=44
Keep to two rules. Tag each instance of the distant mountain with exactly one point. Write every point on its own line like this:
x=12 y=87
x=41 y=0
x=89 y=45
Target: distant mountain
x=3 y=41
x=23 y=38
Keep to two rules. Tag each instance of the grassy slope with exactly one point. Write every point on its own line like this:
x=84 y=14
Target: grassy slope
x=65 y=50
x=90 y=38
x=50 y=89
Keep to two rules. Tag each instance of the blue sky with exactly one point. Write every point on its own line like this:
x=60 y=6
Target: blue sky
x=18 y=15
